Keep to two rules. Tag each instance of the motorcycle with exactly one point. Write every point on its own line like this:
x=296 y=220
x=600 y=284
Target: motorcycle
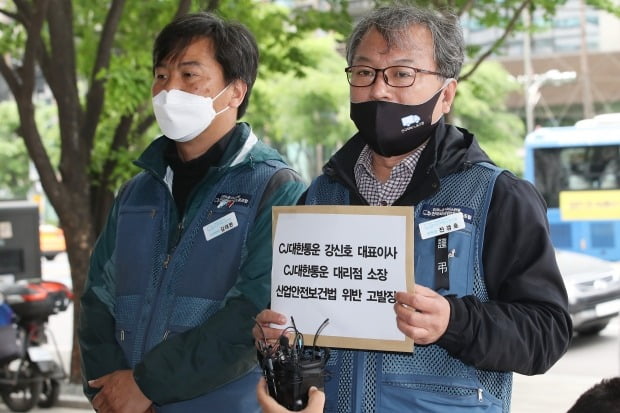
x=30 y=373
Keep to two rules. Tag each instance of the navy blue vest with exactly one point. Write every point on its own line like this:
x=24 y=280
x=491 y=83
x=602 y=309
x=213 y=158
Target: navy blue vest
x=428 y=379
x=165 y=286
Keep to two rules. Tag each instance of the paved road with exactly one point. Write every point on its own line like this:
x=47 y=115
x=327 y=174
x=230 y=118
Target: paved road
x=587 y=361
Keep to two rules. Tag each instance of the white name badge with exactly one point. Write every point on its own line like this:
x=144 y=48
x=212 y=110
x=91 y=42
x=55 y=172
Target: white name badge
x=443 y=225
x=220 y=226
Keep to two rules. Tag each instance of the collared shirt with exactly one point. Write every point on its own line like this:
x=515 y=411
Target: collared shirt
x=384 y=193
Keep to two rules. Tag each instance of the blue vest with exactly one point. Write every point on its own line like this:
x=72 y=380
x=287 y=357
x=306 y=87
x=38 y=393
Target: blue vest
x=429 y=379
x=165 y=285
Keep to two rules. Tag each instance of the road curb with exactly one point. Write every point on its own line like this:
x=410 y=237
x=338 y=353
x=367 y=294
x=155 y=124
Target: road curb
x=73 y=402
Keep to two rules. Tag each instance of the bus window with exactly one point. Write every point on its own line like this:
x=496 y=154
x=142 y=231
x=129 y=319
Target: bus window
x=550 y=174
x=575 y=168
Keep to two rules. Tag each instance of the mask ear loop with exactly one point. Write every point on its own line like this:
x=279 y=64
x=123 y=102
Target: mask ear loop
x=446 y=82
x=217 y=96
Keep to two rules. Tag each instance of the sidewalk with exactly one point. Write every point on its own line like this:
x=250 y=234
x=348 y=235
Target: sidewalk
x=71 y=396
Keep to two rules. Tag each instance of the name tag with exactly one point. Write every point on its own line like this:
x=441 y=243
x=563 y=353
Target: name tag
x=220 y=226
x=443 y=225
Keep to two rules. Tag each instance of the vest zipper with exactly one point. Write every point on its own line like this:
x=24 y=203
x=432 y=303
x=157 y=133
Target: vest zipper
x=122 y=335
x=180 y=229
x=480 y=395
x=166 y=335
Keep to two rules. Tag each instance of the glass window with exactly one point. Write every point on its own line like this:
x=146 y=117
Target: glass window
x=574 y=169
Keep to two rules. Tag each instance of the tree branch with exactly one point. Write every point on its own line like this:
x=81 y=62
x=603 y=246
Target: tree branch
x=96 y=94
x=465 y=7
x=213 y=5
x=507 y=31
x=11 y=15
x=59 y=68
x=101 y=193
x=26 y=71
x=21 y=81
x=145 y=124
x=9 y=75
x=183 y=8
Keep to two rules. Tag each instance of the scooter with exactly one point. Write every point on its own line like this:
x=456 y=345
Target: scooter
x=32 y=375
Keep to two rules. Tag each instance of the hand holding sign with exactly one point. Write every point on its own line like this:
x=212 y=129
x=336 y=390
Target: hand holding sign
x=422 y=316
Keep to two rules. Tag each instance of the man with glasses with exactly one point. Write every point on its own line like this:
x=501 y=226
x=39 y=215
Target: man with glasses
x=489 y=298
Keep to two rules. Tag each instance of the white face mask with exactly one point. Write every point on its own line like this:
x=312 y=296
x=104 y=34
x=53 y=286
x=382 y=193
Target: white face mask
x=182 y=116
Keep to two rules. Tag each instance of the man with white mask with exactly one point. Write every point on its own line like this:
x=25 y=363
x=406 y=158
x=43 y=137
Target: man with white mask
x=184 y=262
x=488 y=298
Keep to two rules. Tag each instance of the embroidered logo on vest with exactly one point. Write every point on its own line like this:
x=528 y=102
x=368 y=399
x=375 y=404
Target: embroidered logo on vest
x=228 y=200
x=433 y=211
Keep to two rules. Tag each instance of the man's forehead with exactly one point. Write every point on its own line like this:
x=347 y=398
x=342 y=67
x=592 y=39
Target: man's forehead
x=412 y=39
x=189 y=50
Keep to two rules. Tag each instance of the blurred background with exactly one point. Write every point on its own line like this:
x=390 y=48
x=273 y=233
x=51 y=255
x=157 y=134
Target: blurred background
x=539 y=89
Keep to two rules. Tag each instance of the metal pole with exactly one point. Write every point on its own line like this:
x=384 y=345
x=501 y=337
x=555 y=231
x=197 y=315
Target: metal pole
x=588 y=105
x=528 y=71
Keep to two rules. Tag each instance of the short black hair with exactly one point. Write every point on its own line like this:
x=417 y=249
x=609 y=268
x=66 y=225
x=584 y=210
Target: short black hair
x=603 y=397
x=235 y=46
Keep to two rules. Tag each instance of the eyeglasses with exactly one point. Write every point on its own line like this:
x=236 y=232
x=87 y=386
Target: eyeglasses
x=395 y=76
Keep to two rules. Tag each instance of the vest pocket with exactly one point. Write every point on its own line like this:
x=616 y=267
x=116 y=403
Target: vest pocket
x=126 y=313
x=424 y=397
x=460 y=251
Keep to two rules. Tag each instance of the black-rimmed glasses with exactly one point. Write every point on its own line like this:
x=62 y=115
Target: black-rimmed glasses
x=395 y=76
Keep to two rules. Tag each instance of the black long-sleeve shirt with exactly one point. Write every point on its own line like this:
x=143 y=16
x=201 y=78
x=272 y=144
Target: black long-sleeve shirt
x=525 y=326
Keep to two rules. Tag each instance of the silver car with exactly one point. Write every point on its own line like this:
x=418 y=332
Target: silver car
x=593 y=287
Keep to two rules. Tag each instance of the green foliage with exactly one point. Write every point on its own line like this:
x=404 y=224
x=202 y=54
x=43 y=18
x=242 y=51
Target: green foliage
x=304 y=111
x=15 y=180
x=127 y=80
x=280 y=36
x=480 y=108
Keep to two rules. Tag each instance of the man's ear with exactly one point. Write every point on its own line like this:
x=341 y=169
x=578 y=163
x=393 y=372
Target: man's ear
x=448 y=95
x=239 y=89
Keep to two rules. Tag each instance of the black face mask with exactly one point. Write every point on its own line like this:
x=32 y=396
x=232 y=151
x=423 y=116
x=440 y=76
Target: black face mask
x=392 y=129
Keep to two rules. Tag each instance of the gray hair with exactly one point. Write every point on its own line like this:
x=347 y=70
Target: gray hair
x=392 y=22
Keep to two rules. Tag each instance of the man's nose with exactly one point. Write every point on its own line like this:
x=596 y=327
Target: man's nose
x=380 y=90
x=173 y=82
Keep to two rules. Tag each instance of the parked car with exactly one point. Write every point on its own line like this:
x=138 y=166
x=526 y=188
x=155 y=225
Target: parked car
x=51 y=241
x=593 y=287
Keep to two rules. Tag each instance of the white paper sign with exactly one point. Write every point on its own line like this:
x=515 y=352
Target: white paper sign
x=344 y=264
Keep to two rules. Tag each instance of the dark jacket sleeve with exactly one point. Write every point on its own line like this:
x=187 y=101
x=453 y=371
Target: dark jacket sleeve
x=525 y=327
x=100 y=353
x=221 y=349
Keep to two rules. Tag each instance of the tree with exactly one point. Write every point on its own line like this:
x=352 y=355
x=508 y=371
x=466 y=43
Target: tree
x=505 y=15
x=91 y=56
x=480 y=107
x=306 y=116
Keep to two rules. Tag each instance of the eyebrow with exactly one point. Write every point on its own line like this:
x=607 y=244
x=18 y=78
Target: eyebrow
x=188 y=63
x=398 y=62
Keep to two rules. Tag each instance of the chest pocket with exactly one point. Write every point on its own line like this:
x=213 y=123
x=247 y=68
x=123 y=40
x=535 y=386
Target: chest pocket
x=215 y=260
x=460 y=257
